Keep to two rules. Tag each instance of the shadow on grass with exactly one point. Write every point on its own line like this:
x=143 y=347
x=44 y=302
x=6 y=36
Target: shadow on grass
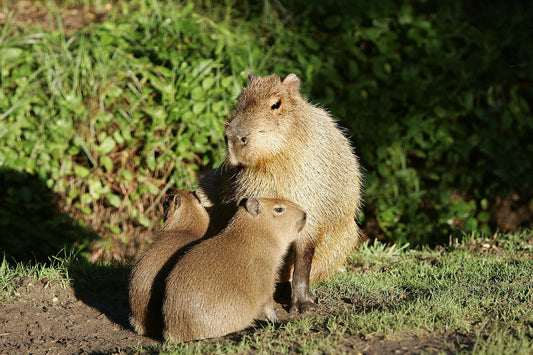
x=33 y=226
x=34 y=230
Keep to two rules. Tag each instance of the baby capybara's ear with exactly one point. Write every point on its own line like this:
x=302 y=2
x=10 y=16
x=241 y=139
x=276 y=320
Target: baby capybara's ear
x=170 y=204
x=252 y=206
x=177 y=200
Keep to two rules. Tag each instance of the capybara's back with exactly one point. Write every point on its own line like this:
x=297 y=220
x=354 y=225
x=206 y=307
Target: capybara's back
x=186 y=221
x=222 y=284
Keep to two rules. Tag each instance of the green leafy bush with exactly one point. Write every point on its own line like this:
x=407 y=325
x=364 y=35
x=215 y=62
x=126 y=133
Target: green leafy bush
x=116 y=114
x=435 y=97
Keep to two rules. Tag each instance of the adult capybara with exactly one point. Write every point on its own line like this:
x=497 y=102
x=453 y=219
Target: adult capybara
x=281 y=146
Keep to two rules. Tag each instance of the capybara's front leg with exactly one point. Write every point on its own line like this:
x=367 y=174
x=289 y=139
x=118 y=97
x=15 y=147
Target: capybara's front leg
x=301 y=298
x=269 y=311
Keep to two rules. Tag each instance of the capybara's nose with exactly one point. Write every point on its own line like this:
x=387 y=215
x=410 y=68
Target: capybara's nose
x=237 y=136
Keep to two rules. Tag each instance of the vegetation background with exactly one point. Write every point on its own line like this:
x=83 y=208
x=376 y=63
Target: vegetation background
x=106 y=106
x=102 y=111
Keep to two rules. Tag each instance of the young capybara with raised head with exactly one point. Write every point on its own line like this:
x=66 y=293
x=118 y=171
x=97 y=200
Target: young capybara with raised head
x=225 y=282
x=186 y=221
x=281 y=146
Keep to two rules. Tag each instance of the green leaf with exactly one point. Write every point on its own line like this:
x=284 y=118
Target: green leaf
x=150 y=161
x=107 y=163
x=3 y=267
x=87 y=210
x=81 y=171
x=208 y=83
x=73 y=193
x=198 y=94
x=114 y=200
x=107 y=146
x=484 y=216
x=9 y=54
x=143 y=220
x=126 y=174
x=86 y=198
x=151 y=188
x=440 y=112
x=118 y=138
x=202 y=68
x=198 y=108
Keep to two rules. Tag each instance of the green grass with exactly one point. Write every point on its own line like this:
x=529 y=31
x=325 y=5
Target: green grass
x=108 y=118
x=480 y=289
x=482 y=293
x=12 y=273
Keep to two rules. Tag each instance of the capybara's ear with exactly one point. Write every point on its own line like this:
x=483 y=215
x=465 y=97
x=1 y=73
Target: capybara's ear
x=170 y=204
x=250 y=75
x=291 y=81
x=177 y=200
x=252 y=206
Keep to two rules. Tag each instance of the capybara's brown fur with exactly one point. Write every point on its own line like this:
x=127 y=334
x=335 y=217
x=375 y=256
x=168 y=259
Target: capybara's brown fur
x=281 y=146
x=225 y=282
x=186 y=221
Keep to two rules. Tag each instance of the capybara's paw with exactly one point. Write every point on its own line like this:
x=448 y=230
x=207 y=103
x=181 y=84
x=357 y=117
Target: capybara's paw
x=270 y=312
x=138 y=327
x=303 y=306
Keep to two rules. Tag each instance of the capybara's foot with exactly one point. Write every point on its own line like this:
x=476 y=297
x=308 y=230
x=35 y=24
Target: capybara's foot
x=302 y=302
x=303 y=306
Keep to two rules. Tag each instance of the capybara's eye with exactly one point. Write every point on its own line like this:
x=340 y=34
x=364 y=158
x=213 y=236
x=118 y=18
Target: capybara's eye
x=276 y=105
x=279 y=209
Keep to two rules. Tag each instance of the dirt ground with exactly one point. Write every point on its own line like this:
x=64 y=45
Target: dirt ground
x=45 y=318
x=50 y=319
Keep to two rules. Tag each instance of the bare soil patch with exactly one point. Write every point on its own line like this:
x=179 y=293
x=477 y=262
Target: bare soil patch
x=39 y=16
x=45 y=318
x=48 y=319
